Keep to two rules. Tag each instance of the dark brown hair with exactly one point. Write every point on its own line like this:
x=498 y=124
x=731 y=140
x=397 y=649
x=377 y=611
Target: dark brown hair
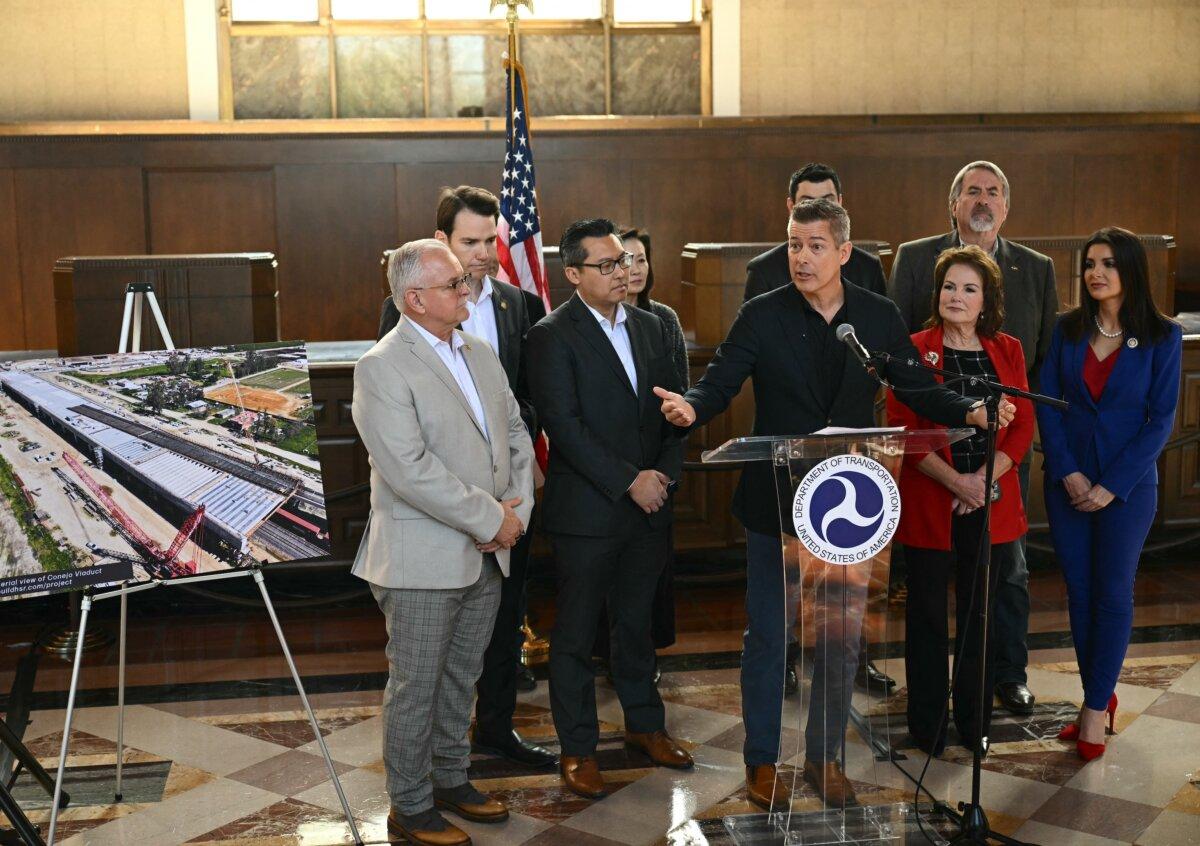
x=816 y=210
x=991 y=316
x=627 y=232
x=453 y=200
x=1140 y=317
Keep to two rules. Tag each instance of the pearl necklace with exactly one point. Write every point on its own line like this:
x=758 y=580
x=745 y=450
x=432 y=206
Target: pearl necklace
x=1100 y=329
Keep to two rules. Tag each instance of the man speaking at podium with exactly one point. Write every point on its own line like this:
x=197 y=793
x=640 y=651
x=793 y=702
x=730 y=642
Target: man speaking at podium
x=804 y=380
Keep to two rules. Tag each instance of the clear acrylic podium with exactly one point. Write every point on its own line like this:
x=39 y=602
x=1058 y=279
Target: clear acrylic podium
x=839 y=506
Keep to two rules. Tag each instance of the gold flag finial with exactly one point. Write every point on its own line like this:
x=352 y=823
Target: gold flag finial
x=512 y=5
x=511 y=18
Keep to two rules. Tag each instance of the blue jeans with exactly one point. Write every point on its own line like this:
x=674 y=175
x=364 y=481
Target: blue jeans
x=838 y=610
x=1099 y=553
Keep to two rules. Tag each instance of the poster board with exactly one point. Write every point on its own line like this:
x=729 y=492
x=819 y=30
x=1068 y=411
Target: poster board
x=156 y=465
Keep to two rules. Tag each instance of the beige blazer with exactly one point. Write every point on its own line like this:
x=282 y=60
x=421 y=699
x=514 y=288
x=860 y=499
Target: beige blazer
x=436 y=481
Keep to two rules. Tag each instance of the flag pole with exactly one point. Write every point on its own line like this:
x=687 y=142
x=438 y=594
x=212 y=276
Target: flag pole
x=534 y=649
x=511 y=17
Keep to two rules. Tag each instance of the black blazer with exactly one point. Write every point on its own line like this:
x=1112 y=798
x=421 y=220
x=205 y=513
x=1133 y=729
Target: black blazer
x=768 y=344
x=601 y=435
x=768 y=271
x=1030 y=295
x=516 y=311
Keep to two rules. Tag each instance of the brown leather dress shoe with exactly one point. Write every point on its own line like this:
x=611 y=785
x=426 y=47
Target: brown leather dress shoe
x=830 y=783
x=582 y=776
x=766 y=791
x=662 y=749
x=427 y=828
x=470 y=804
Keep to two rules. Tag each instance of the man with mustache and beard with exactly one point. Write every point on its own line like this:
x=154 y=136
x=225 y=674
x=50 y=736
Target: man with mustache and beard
x=979 y=202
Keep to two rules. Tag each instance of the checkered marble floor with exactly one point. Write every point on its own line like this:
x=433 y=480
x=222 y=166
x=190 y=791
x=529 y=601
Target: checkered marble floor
x=247 y=771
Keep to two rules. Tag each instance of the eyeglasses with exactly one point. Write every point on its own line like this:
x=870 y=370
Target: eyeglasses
x=463 y=282
x=607 y=266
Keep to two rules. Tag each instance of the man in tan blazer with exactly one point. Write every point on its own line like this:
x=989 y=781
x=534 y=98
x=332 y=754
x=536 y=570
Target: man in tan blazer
x=451 y=493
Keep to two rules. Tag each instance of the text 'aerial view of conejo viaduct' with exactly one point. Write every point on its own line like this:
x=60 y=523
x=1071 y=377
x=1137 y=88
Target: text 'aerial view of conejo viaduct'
x=156 y=465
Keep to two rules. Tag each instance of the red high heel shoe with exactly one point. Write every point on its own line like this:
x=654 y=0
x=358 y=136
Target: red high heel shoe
x=1091 y=751
x=1071 y=730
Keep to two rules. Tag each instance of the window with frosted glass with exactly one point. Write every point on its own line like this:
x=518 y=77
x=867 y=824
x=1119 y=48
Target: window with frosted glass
x=653 y=11
x=443 y=10
x=375 y=10
x=273 y=10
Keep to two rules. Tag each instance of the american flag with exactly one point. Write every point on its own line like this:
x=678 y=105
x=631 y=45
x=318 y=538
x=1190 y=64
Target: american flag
x=519 y=245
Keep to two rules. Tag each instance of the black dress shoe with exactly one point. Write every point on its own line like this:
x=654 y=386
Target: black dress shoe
x=872 y=678
x=526 y=681
x=512 y=748
x=1015 y=697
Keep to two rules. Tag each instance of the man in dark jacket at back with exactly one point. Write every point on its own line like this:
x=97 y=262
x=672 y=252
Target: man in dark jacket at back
x=768 y=271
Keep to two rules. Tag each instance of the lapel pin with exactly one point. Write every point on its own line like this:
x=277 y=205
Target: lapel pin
x=503 y=305
x=932 y=358
x=1132 y=343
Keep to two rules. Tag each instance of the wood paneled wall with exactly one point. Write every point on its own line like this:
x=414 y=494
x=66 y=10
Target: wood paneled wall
x=328 y=199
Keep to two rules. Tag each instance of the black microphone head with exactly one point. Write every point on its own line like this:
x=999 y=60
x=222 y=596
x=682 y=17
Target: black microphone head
x=844 y=331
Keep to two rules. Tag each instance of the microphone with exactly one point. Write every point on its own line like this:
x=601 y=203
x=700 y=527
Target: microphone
x=845 y=334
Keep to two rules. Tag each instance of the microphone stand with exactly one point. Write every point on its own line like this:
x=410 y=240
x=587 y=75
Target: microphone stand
x=971 y=820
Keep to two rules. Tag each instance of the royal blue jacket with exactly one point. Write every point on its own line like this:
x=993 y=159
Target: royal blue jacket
x=1114 y=442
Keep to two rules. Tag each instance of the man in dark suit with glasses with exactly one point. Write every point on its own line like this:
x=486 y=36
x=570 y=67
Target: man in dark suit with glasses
x=614 y=461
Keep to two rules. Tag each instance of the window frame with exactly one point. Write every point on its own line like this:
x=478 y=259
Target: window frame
x=330 y=28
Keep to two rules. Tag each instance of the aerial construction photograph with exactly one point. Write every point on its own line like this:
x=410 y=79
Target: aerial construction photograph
x=156 y=465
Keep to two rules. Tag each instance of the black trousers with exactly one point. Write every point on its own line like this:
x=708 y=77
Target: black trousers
x=927 y=632
x=497 y=685
x=624 y=569
x=662 y=616
x=1012 y=605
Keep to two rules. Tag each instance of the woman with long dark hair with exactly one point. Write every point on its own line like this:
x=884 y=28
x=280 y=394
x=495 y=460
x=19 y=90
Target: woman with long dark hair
x=1116 y=359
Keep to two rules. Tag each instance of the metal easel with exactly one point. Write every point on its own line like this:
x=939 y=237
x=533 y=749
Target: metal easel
x=134 y=294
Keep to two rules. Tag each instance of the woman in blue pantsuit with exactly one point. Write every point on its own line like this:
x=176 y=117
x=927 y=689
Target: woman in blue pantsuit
x=1116 y=359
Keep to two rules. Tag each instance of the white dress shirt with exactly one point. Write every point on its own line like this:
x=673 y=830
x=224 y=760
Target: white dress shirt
x=451 y=354
x=618 y=336
x=481 y=317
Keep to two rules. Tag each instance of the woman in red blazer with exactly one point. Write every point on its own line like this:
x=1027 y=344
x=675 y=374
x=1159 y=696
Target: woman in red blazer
x=942 y=496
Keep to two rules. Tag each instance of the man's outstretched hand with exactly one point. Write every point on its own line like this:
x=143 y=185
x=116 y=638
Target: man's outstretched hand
x=675 y=408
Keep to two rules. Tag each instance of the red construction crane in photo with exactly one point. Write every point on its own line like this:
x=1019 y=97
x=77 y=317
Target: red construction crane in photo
x=160 y=561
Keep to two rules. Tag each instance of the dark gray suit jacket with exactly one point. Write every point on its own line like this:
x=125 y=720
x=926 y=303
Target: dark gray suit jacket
x=1030 y=296
x=601 y=433
x=768 y=271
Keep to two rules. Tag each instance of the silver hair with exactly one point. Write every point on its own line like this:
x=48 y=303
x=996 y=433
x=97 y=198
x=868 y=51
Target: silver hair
x=405 y=266
x=956 y=185
x=811 y=211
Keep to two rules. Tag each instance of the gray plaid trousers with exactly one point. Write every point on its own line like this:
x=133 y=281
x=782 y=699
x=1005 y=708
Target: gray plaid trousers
x=436 y=641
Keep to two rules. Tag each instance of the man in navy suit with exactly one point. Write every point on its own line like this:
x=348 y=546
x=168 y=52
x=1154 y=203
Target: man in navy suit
x=804 y=380
x=979 y=198
x=614 y=461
